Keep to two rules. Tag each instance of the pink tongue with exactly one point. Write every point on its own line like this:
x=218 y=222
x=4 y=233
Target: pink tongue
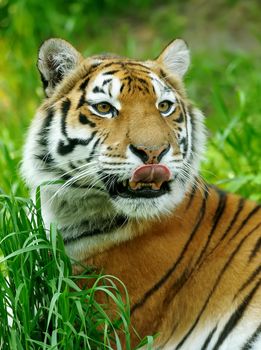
x=150 y=173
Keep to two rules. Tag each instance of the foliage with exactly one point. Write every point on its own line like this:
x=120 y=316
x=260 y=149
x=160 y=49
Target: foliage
x=230 y=92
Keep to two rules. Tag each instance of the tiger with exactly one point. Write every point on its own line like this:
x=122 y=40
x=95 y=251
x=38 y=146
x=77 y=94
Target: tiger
x=116 y=147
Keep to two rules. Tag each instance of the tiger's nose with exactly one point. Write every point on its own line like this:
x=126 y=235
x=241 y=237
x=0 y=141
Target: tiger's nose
x=150 y=155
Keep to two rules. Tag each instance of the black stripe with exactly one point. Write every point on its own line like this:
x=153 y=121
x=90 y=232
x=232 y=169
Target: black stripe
x=84 y=120
x=241 y=203
x=177 y=285
x=45 y=127
x=180 y=119
x=143 y=88
x=86 y=77
x=184 y=142
x=66 y=104
x=97 y=89
x=106 y=81
x=94 y=66
x=219 y=210
x=166 y=276
x=252 y=213
x=251 y=278
x=182 y=107
x=128 y=78
x=193 y=132
x=93 y=151
x=118 y=222
x=232 y=222
x=72 y=166
x=64 y=149
x=122 y=87
x=218 y=214
x=208 y=339
x=255 y=249
x=114 y=155
x=235 y=317
x=138 y=70
x=126 y=63
x=163 y=74
x=142 y=81
x=106 y=65
x=131 y=63
x=225 y=267
x=81 y=101
x=110 y=88
x=84 y=84
x=166 y=79
x=251 y=340
x=46 y=158
x=111 y=72
x=192 y=195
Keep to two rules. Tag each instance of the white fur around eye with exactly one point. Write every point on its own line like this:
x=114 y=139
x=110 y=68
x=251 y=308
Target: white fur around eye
x=169 y=111
x=110 y=114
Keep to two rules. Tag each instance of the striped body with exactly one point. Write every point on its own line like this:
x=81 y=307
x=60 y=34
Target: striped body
x=200 y=287
x=119 y=145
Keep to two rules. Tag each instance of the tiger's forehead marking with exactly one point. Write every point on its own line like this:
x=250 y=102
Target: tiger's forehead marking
x=105 y=88
x=162 y=90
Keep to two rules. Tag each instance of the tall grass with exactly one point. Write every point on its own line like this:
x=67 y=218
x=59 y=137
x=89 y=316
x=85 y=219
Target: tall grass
x=41 y=305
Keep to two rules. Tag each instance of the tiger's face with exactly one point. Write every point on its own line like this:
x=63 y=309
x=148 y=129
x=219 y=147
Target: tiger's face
x=120 y=129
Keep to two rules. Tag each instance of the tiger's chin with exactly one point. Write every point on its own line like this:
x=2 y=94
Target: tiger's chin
x=147 y=202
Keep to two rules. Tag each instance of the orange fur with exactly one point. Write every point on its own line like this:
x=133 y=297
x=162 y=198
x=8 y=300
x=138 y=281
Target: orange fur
x=143 y=261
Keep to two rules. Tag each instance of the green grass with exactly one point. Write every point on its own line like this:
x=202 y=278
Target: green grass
x=41 y=306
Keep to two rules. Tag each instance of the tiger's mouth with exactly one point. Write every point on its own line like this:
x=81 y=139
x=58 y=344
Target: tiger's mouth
x=129 y=189
x=147 y=181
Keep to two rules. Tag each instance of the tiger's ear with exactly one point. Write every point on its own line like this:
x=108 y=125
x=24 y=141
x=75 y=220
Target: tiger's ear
x=175 y=57
x=55 y=60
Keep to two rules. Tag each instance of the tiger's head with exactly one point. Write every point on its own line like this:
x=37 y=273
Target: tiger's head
x=115 y=129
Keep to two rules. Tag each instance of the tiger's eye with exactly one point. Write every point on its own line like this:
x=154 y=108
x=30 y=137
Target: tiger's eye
x=164 y=106
x=103 y=107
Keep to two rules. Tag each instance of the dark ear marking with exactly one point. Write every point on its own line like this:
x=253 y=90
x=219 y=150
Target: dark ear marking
x=44 y=82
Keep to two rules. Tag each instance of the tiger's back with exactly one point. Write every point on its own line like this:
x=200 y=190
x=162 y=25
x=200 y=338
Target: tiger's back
x=126 y=141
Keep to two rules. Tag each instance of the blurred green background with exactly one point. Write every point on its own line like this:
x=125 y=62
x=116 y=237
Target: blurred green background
x=224 y=79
